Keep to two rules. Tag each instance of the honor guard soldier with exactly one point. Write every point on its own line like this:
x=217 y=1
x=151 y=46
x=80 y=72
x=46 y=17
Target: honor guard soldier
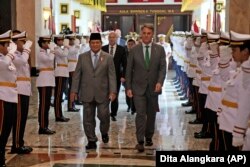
x=61 y=74
x=166 y=46
x=84 y=44
x=219 y=77
x=8 y=91
x=230 y=100
x=72 y=61
x=23 y=82
x=191 y=72
x=210 y=63
x=45 y=82
x=241 y=131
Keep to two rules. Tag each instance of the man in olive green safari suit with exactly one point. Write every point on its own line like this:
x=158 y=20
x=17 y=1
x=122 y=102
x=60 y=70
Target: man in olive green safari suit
x=96 y=79
x=144 y=83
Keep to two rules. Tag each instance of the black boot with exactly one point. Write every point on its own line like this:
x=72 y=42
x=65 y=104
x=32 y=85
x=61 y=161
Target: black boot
x=2 y=159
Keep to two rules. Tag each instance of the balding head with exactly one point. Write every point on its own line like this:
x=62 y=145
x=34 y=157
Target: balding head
x=112 y=38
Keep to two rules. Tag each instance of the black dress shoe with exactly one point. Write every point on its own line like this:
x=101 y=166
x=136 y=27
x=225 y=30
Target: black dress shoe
x=73 y=110
x=113 y=118
x=46 y=131
x=195 y=122
x=149 y=142
x=62 y=119
x=133 y=112
x=203 y=135
x=91 y=145
x=187 y=104
x=140 y=147
x=183 y=98
x=190 y=112
x=105 y=138
x=21 y=150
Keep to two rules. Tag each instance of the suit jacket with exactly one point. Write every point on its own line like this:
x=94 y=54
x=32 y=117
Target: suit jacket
x=120 y=60
x=138 y=77
x=94 y=84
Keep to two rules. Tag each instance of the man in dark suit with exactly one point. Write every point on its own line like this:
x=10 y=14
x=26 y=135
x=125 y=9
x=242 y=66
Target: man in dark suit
x=146 y=71
x=95 y=78
x=119 y=56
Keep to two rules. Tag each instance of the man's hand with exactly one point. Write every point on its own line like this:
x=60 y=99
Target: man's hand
x=158 y=88
x=123 y=80
x=73 y=96
x=112 y=96
x=129 y=93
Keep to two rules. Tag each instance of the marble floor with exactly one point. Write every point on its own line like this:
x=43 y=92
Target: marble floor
x=66 y=148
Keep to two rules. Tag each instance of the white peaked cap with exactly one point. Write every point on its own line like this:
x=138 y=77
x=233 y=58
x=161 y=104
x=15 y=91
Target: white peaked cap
x=203 y=32
x=58 y=36
x=225 y=54
x=21 y=36
x=212 y=37
x=224 y=38
x=161 y=35
x=5 y=37
x=238 y=39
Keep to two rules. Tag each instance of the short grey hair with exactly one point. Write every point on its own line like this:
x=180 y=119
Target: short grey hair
x=149 y=26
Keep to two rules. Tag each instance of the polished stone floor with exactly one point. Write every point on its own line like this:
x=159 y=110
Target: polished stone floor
x=66 y=148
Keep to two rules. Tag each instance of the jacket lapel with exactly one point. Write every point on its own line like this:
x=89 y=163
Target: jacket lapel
x=141 y=53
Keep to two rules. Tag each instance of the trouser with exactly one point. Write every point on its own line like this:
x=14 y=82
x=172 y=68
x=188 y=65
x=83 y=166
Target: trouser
x=115 y=103
x=213 y=127
x=20 y=121
x=89 y=122
x=202 y=102
x=71 y=104
x=191 y=91
x=197 y=103
x=146 y=108
x=44 y=106
x=225 y=141
x=60 y=86
x=7 y=118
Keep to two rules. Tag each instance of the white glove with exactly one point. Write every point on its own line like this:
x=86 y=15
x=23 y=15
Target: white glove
x=238 y=141
x=52 y=46
x=12 y=48
x=27 y=45
x=77 y=42
x=66 y=42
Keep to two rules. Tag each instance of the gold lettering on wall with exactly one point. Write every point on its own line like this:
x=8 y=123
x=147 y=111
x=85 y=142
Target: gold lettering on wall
x=142 y=11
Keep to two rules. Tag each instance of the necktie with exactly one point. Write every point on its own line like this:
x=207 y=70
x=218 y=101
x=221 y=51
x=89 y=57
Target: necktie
x=112 y=50
x=147 y=59
x=95 y=61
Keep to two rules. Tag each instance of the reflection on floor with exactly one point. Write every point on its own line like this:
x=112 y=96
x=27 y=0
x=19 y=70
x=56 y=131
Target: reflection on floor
x=66 y=148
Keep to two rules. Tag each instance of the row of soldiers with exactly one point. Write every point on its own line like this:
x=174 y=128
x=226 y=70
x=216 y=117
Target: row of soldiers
x=213 y=73
x=56 y=64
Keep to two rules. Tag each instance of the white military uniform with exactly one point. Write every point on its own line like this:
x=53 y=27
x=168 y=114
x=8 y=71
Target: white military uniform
x=46 y=76
x=210 y=62
x=241 y=129
x=8 y=93
x=230 y=100
x=218 y=80
x=166 y=47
